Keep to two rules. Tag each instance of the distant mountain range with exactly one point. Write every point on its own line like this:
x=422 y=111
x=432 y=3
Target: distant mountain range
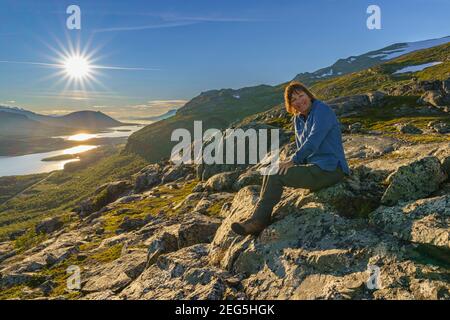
x=17 y=121
x=367 y=60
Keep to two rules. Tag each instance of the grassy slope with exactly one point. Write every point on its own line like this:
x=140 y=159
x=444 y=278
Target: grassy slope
x=63 y=189
x=216 y=109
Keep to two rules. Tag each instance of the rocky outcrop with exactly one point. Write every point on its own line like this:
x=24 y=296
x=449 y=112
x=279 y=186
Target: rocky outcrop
x=104 y=195
x=49 y=225
x=414 y=181
x=222 y=181
x=346 y=105
x=116 y=275
x=424 y=221
x=183 y=274
x=313 y=253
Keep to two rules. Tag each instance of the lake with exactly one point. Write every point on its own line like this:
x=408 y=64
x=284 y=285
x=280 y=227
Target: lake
x=32 y=163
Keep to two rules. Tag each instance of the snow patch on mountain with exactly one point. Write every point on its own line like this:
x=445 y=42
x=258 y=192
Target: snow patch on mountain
x=416 y=68
x=410 y=47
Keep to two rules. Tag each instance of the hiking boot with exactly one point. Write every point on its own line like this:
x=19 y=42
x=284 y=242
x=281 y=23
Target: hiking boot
x=250 y=226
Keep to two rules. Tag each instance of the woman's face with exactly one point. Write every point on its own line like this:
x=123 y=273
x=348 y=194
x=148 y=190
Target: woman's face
x=300 y=102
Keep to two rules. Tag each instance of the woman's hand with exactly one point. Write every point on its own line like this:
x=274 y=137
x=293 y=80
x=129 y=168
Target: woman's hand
x=284 y=166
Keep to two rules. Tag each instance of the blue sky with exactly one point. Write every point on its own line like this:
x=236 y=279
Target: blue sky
x=190 y=46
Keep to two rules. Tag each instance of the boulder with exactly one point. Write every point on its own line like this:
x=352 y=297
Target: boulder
x=424 y=221
x=446 y=166
x=241 y=209
x=222 y=181
x=250 y=177
x=313 y=253
x=435 y=98
x=408 y=128
x=416 y=180
x=184 y=274
x=174 y=172
x=130 y=224
x=197 y=228
x=193 y=229
x=439 y=127
x=148 y=177
x=103 y=196
x=115 y=275
x=49 y=225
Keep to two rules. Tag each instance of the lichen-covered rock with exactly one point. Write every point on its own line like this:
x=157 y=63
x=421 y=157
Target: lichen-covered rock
x=417 y=180
x=354 y=197
x=197 y=228
x=46 y=255
x=240 y=209
x=436 y=97
x=424 y=221
x=193 y=229
x=115 y=275
x=183 y=274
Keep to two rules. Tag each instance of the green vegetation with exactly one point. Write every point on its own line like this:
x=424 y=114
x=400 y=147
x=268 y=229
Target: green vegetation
x=164 y=203
x=12 y=185
x=62 y=190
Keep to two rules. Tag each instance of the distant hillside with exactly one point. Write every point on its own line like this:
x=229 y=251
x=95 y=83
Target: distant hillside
x=165 y=115
x=86 y=119
x=14 y=124
x=367 y=60
x=78 y=120
x=216 y=108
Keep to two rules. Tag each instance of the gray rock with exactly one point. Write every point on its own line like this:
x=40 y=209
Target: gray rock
x=439 y=127
x=222 y=181
x=49 y=225
x=408 y=128
x=184 y=274
x=103 y=196
x=414 y=181
x=175 y=172
x=115 y=275
x=148 y=177
x=424 y=221
x=446 y=166
x=250 y=177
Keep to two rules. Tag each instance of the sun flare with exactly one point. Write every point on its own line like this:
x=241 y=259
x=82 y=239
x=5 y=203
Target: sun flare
x=77 y=67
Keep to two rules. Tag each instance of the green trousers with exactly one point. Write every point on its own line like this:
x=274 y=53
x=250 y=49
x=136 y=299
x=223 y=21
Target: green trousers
x=306 y=176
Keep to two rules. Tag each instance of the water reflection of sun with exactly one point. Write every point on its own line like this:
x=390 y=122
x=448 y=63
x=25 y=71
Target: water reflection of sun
x=81 y=137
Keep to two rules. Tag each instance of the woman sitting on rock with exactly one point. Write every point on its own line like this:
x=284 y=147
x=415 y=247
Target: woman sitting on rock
x=319 y=161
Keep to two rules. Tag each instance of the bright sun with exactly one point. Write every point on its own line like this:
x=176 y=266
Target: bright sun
x=77 y=67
